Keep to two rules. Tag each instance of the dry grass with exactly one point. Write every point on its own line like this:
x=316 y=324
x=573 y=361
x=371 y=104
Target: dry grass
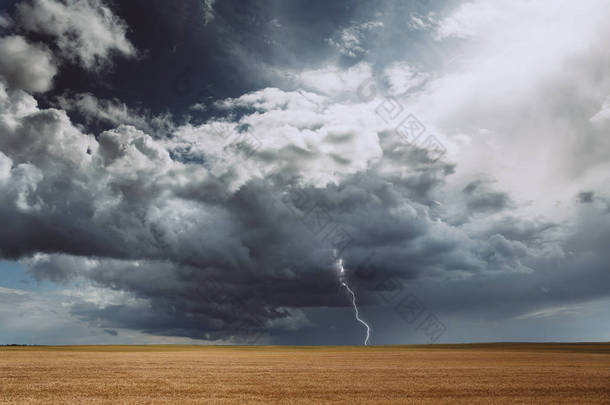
x=465 y=374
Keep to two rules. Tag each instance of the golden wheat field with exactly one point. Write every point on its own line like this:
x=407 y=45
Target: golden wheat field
x=440 y=374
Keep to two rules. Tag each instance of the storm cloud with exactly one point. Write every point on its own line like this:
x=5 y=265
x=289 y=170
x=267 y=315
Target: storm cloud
x=221 y=216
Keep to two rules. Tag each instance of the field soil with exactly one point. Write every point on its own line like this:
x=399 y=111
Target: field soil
x=456 y=374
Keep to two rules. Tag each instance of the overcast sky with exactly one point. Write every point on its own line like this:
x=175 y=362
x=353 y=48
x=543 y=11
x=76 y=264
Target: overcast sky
x=195 y=171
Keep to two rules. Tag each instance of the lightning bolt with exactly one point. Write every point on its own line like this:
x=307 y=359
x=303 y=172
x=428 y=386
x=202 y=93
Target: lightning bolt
x=343 y=282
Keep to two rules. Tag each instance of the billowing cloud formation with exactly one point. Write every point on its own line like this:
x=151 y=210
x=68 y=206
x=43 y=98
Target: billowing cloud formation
x=26 y=66
x=114 y=113
x=227 y=228
x=85 y=30
x=189 y=209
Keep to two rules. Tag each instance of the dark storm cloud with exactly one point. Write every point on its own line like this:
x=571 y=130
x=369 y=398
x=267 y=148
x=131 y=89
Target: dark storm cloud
x=480 y=198
x=184 y=60
x=558 y=280
x=224 y=219
x=288 y=264
x=208 y=253
x=150 y=227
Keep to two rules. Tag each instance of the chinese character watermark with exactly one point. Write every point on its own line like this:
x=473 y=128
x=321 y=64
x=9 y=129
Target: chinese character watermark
x=407 y=305
x=406 y=125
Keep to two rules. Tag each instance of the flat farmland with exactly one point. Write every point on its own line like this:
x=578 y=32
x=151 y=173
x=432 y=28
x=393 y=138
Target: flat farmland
x=439 y=374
